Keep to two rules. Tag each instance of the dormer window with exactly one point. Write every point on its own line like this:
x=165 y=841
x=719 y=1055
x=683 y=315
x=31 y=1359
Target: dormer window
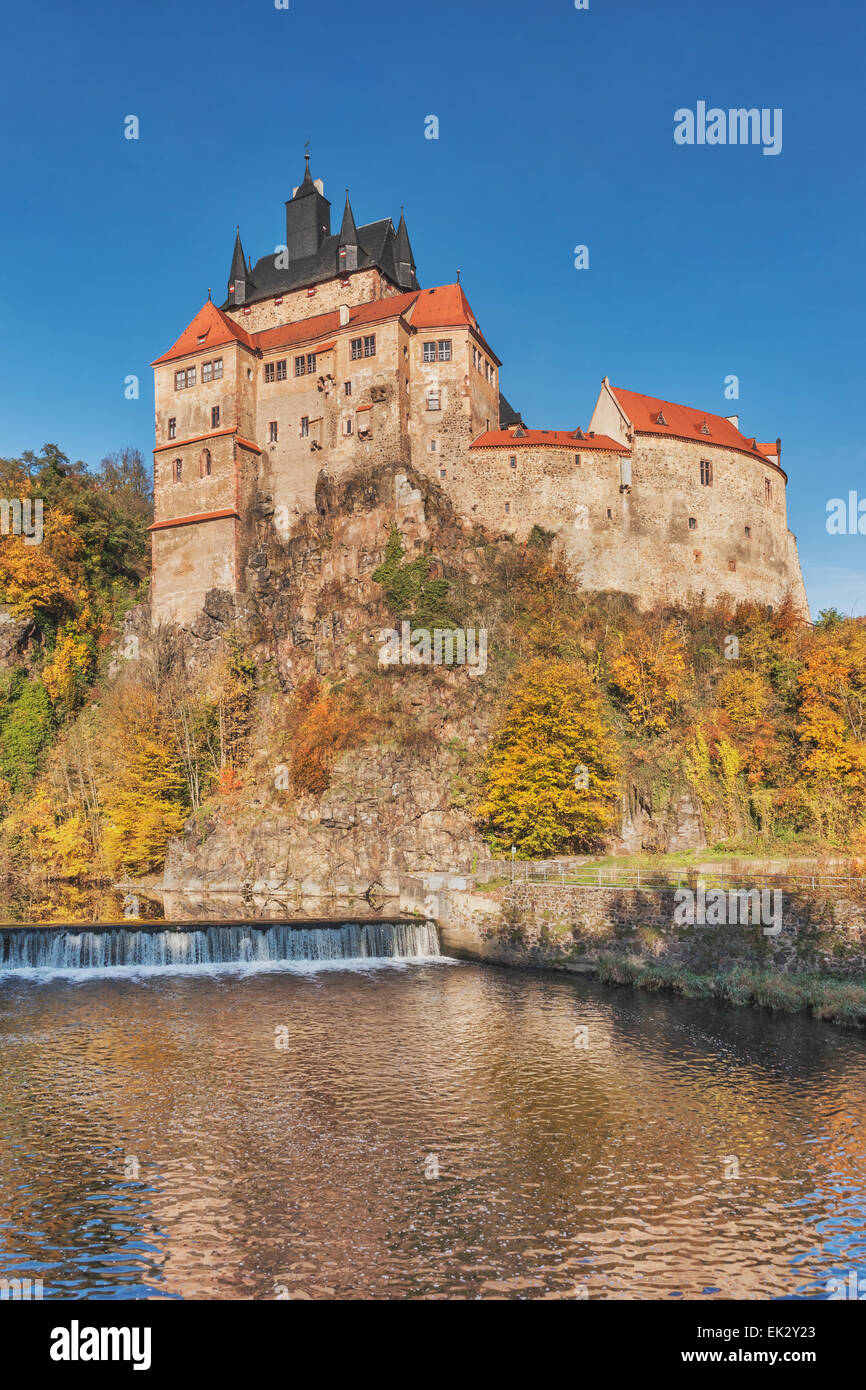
x=202 y=337
x=660 y=418
x=705 y=429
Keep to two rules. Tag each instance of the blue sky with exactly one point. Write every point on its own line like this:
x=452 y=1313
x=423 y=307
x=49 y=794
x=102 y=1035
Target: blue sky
x=555 y=129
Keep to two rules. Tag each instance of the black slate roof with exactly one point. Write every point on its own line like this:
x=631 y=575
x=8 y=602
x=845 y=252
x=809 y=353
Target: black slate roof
x=508 y=416
x=376 y=248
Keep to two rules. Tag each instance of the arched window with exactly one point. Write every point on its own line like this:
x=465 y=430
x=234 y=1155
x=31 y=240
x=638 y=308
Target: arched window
x=204 y=463
x=178 y=470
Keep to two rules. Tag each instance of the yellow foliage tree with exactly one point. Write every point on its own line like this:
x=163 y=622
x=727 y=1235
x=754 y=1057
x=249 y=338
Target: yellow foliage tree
x=65 y=675
x=146 y=800
x=832 y=716
x=651 y=677
x=551 y=774
x=42 y=578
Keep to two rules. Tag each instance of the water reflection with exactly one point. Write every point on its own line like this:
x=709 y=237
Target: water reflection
x=263 y=1169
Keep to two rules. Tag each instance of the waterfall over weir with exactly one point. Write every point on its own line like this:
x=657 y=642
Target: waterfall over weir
x=71 y=948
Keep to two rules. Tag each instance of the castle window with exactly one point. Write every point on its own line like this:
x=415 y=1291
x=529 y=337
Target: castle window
x=281 y=369
x=693 y=523
x=206 y=371
x=609 y=514
x=370 y=345
x=311 y=291
x=345 y=282
x=434 y=445
x=178 y=470
x=357 y=346
x=204 y=463
x=513 y=461
x=347 y=425
x=348 y=388
x=172 y=428
x=279 y=299
x=269 y=371
x=507 y=508
x=305 y=426
x=273 y=430
x=577 y=460
x=311 y=362
x=301 y=365
x=214 y=417
x=179 y=380
x=217 y=368
x=429 y=352
x=732 y=564
x=768 y=490
x=433 y=400
x=748 y=533
x=443 y=472
x=706 y=473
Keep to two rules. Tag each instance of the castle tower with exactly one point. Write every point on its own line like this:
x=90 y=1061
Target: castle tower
x=308 y=218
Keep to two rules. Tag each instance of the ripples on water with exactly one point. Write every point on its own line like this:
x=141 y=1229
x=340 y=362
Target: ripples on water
x=308 y=1170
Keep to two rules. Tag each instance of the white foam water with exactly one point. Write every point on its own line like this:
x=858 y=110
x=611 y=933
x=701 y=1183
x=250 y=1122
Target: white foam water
x=252 y=945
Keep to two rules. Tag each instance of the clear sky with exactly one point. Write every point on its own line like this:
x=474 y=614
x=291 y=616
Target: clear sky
x=555 y=129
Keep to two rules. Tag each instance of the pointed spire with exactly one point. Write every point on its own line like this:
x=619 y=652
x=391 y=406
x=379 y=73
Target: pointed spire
x=347 y=246
x=348 y=231
x=404 y=260
x=240 y=277
x=306 y=186
x=239 y=265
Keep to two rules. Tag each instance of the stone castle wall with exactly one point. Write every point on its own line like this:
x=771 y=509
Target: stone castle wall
x=656 y=533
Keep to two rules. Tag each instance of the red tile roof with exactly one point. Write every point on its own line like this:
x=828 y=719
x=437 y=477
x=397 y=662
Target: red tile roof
x=554 y=439
x=320 y=325
x=682 y=422
x=446 y=306
x=212 y=324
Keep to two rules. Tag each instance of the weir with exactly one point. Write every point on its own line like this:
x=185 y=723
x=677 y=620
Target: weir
x=79 y=948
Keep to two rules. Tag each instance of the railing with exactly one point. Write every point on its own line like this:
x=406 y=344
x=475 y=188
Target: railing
x=552 y=873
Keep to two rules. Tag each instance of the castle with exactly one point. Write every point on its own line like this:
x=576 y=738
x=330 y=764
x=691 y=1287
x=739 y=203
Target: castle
x=327 y=354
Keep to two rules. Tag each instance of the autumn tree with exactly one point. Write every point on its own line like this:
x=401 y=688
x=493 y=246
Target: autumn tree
x=551 y=774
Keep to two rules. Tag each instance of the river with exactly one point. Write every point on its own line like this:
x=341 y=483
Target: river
x=434 y=1129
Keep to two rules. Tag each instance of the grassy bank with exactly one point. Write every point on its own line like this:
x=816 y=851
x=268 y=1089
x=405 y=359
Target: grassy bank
x=833 y=1000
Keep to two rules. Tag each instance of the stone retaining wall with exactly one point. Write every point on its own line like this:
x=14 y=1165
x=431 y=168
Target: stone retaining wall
x=554 y=925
